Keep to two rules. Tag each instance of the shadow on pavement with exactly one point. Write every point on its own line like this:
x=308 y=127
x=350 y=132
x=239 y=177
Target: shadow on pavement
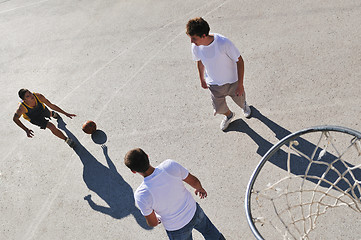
x=298 y=164
x=99 y=137
x=107 y=183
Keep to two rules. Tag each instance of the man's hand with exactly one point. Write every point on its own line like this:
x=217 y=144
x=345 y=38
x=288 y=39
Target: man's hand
x=240 y=73
x=201 y=70
x=201 y=192
x=70 y=115
x=152 y=219
x=196 y=184
x=204 y=84
x=29 y=133
x=240 y=90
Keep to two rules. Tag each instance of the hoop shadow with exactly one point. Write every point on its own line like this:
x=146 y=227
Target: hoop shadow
x=299 y=164
x=107 y=183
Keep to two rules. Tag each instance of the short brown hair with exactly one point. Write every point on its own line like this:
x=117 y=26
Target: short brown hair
x=197 y=26
x=22 y=92
x=137 y=160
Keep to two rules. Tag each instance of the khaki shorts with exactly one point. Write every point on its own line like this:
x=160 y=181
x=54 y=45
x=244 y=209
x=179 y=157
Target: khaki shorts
x=219 y=93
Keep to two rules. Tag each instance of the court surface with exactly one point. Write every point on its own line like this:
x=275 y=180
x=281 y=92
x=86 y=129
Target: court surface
x=127 y=66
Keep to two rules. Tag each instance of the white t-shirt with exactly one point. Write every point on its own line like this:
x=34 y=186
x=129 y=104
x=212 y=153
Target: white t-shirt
x=164 y=192
x=219 y=59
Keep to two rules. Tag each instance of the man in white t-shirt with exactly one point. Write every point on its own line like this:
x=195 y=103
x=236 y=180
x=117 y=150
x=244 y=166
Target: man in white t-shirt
x=163 y=198
x=220 y=67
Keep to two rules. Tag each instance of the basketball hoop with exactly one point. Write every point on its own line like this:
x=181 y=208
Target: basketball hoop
x=309 y=178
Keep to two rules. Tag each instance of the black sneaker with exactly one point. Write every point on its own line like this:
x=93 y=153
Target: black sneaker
x=70 y=142
x=55 y=115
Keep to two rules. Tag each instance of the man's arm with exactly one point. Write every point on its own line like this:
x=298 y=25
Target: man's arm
x=201 y=69
x=53 y=106
x=196 y=184
x=152 y=220
x=16 y=119
x=240 y=72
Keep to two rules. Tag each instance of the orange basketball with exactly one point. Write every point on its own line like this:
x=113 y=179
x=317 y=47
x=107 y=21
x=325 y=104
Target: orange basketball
x=89 y=127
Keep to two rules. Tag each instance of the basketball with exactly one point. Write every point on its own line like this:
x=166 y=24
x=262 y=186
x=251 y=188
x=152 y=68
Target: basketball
x=89 y=127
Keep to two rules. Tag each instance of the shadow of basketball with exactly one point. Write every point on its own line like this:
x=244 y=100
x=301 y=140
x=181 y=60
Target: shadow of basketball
x=99 y=137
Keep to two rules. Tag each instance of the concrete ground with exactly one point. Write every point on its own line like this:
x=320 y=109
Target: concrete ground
x=127 y=66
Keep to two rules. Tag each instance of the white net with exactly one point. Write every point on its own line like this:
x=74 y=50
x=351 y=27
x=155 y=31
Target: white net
x=310 y=189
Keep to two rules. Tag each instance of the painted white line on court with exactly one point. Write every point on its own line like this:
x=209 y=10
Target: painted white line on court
x=25 y=6
x=148 y=61
x=45 y=208
x=135 y=44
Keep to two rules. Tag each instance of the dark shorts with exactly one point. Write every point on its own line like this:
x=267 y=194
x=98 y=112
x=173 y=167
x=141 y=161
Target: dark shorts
x=40 y=120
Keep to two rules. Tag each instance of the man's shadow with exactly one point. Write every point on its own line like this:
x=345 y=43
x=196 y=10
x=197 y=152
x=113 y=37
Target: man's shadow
x=299 y=165
x=107 y=183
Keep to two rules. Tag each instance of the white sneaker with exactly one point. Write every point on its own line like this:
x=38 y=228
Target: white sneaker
x=226 y=121
x=247 y=111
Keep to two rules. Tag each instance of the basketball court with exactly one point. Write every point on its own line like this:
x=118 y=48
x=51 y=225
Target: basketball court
x=127 y=66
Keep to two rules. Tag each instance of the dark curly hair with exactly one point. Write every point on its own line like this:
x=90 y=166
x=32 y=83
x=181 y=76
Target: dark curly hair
x=197 y=26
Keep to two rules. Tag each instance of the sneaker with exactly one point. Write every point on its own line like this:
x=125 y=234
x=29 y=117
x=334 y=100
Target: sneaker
x=247 y=111
x=226 y=121
x=55 y=115
x=70 y=142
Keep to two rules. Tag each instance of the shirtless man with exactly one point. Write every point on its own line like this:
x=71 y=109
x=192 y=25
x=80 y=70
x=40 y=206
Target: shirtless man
x=32 y=108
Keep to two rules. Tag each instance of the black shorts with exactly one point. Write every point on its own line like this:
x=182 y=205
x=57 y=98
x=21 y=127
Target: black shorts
x=41 y=120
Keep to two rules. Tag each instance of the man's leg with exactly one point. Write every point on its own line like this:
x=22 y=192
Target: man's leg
x=185 y=233
x=56 y=131
x=206 y=227
x=218 y=95
x=240 y=100
x=60 y=134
